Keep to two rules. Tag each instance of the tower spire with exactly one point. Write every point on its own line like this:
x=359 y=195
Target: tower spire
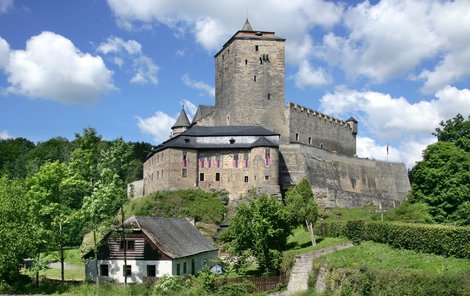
x=247 y=26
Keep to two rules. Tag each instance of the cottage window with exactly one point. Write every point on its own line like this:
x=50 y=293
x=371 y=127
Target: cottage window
x=127 y=270
x=129 y=245
x=104 y=271
x=217 y=176
x=151 y=271
x=184 y=267
x=193 y=267
x=246 y=179
x=184 y=173
x=178 y=271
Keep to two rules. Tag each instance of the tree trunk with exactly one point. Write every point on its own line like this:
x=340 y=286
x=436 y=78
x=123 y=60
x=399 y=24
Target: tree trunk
x=310 y=232
x=37 y=272
x=61 y=253
x=96 y=255
x=125 y=245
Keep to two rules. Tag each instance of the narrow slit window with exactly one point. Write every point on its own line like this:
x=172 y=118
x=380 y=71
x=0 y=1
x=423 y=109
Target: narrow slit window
x=310 y=140
x=297 y=137
x=254 y=78
x=246 y=62
x=256 y=48
x=269 y=97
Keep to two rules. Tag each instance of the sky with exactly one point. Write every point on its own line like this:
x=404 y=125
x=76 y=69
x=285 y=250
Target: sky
x=126 y=67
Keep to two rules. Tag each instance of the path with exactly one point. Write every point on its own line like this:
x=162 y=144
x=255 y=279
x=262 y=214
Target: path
x=298 y=281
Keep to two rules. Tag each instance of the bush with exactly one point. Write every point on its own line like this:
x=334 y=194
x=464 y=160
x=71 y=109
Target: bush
x=437 y=239
x=169 y=285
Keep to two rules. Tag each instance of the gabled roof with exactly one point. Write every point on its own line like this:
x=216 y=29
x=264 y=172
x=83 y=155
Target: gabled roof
x=182 y=120
x=175 y=237
x=202 y=111
x=263 y=142
x=351 y=119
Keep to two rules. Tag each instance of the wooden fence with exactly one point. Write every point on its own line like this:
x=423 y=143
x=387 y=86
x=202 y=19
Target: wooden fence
x=262 y=283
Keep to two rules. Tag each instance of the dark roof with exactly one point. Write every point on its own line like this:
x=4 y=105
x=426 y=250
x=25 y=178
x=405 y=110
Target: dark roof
x=351 y=119
x=185 y=139
x=228 y=130
x=202 y=111
x=182 y=120
x=175 y=237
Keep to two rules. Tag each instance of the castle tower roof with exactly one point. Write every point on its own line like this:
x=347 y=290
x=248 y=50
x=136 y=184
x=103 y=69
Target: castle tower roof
x=247 y=26
x=182 y=120
x=351 y=119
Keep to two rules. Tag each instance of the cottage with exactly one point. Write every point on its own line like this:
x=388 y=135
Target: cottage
x=155 y=246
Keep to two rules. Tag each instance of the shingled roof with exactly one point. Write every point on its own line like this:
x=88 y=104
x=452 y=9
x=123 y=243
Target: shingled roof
x=182 y=120
x=175 y=237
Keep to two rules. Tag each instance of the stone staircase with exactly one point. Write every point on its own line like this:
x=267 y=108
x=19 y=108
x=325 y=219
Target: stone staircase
x=298 y=281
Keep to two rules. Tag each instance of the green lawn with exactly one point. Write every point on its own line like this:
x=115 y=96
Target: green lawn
x=73 y=260
x=374 y=256
x=299 y=242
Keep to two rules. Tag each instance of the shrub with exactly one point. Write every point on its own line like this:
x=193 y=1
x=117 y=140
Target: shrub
x=436 y=239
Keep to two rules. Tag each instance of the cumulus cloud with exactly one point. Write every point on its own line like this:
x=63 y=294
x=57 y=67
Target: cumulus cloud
x=5 y=135
x=309 y=76
x=51 y=67
x=120 y=51
x=5 y=5
x=396 y=119
x=199 y=85
x=159 y=125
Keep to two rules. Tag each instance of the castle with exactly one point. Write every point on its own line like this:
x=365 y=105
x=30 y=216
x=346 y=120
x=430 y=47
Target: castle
x=251 y=140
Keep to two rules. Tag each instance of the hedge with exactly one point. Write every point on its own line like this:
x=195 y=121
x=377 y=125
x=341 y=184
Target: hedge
x=437 y=239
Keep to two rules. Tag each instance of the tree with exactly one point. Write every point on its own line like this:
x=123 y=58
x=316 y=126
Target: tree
x=261 y=228
x=456 y=131
x=302 y=207
x=55 y=196
x=442 y=181
x=17 y=233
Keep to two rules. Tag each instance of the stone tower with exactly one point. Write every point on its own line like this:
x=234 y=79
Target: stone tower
x=181 y=124
x=250 y=80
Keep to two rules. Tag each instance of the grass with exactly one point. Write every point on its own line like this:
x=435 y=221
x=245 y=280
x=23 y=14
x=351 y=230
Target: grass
x=374 y=256
x=299 y=242
x=73 y=260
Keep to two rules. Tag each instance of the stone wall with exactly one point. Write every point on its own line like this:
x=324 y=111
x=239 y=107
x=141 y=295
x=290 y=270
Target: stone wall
x=342 y=181
x=313 y=128
x=135 y=189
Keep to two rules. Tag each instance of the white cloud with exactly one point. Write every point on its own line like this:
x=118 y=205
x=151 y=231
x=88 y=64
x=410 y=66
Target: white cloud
x=159 y=125
x=409 y=125
x=51 y=67
x=4 y=52
x=308 y=76
x=409 y=152
x=119 y=51
x=5 y=135
x=209 y=90
x=5 y=5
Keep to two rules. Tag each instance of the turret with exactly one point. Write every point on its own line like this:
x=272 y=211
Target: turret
x=181 y=124
x=353 y=124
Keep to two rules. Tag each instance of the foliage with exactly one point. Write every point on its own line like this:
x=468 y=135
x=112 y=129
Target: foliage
x=436 y=239
x=346 y=214
x=260 y=227
x=170 y=285
x=13 y=155
x=17 y=234
x=456 y=131
x=377 y=269
x=417 y=212
x=442 y=181
x=355 y=231
x=203 y=206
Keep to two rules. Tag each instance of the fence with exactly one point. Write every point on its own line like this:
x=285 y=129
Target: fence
x=261 y=283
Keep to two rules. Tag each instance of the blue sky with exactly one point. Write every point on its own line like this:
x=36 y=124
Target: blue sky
x=125 y=67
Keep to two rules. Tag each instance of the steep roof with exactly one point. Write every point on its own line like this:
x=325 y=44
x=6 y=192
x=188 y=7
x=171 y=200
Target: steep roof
x=247 y=26
x=182 y=120
x=202 y=111
x=351 y=119
x=175 y=237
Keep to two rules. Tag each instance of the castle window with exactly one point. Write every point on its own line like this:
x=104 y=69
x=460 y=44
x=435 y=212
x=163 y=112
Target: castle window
x=235 y=160
x=260 y=61
x=184 y=173
x=223 y=57
x=217 y=176
x=186 y=140
x=266 y=178
x=297 y=137
x=158 y=175
x=246 y=62
x=321 y=145
x=256 y=48
x=254 y=78
x=217 y=161
x=161 y=175
x=183 y=162
x=228 y=51
x=201 y=177
x=269 y=97
x=267 y=157
x=228 y=120
x=310 y=140
x=232 y=141
x=246 y=179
